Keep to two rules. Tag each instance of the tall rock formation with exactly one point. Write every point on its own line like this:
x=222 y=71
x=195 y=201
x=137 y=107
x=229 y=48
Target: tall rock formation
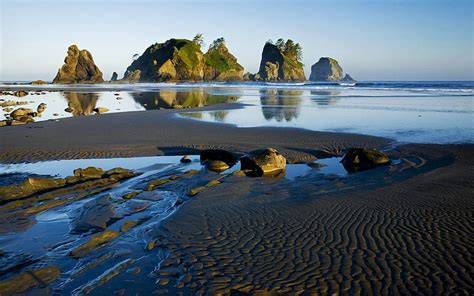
x=174 y=60
x=183 y=60
x=79 y=67
x=221 y=65
x=328 y=69
x=281 y=62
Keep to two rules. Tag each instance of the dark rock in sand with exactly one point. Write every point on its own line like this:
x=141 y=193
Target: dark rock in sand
x=114 y=76
x=360 y=159
x=185 y=159
x=228 y=157
x=263 y=162
x=79 y=67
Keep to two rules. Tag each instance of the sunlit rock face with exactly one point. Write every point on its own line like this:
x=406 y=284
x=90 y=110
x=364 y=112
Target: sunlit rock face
x=278 y=66
x=79 y=67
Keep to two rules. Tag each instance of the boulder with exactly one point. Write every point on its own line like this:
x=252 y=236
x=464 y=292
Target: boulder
x=20 y=112
x=41 y=108
x=360 y=159
x=263 y=162
x=326 y=69
x=228 y=157
x=89 y=173
x=185 y=159
x=79 y=67
x=280 y=63
x=114 y=76
x=20 y=93
x=216 y=165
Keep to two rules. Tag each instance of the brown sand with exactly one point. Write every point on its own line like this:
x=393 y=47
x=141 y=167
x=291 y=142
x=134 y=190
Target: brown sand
x=161 y=132
x=377 y=232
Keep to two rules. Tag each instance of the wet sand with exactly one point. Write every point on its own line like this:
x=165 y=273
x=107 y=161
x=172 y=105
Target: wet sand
x=161 y=132
x=406 y=229
x=402 y=229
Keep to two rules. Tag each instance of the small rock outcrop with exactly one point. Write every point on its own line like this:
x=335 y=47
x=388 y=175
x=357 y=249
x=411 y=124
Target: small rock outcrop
x=281 y=62
x=263 y=162
x=79 y=67
x=221 y=65
x=114 y=76
x=361 y=159
x=328 y=70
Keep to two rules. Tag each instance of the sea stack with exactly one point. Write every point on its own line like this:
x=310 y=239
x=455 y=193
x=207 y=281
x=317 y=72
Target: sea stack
x=221 y=65
x=183 y=60
x=328 y=69
x=79 y=67
x=281 y=62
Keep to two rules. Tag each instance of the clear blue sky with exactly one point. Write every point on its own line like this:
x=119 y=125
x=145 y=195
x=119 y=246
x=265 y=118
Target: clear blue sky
x=372 y=39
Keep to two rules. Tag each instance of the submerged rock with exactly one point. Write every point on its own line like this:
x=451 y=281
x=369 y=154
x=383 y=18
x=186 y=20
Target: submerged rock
x=29 y=279
x=79 y=67
x=360 y=159
x=96 y=241
x=30 y=186
x=95 y=214
x=281 y=62
x=89 y=173
x=263 y=162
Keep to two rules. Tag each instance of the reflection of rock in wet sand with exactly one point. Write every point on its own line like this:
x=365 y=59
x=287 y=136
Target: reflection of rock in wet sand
x=280 y=104
x=174 y=99
x=325 y=97
x=81 y=103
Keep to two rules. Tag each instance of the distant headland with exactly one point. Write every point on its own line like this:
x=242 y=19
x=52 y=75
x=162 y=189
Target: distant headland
x=180 y=60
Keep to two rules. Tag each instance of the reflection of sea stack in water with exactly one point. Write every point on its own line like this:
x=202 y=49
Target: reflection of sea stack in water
x=325 y=97
x=328 y=69
x=81 y=103
x=280 y=104
x=79 y=67
x=173 y=99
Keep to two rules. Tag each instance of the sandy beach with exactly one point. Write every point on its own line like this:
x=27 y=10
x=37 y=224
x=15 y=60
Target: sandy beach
x=401 y=229
x=161 y=132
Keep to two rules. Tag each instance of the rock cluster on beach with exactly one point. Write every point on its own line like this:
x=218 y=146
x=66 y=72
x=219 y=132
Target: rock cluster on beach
x=79 y=67
x=328 y=69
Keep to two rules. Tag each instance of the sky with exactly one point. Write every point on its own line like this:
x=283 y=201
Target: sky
x=371 y=39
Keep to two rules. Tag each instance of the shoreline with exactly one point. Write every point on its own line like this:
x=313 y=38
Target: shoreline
x=162 y=132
